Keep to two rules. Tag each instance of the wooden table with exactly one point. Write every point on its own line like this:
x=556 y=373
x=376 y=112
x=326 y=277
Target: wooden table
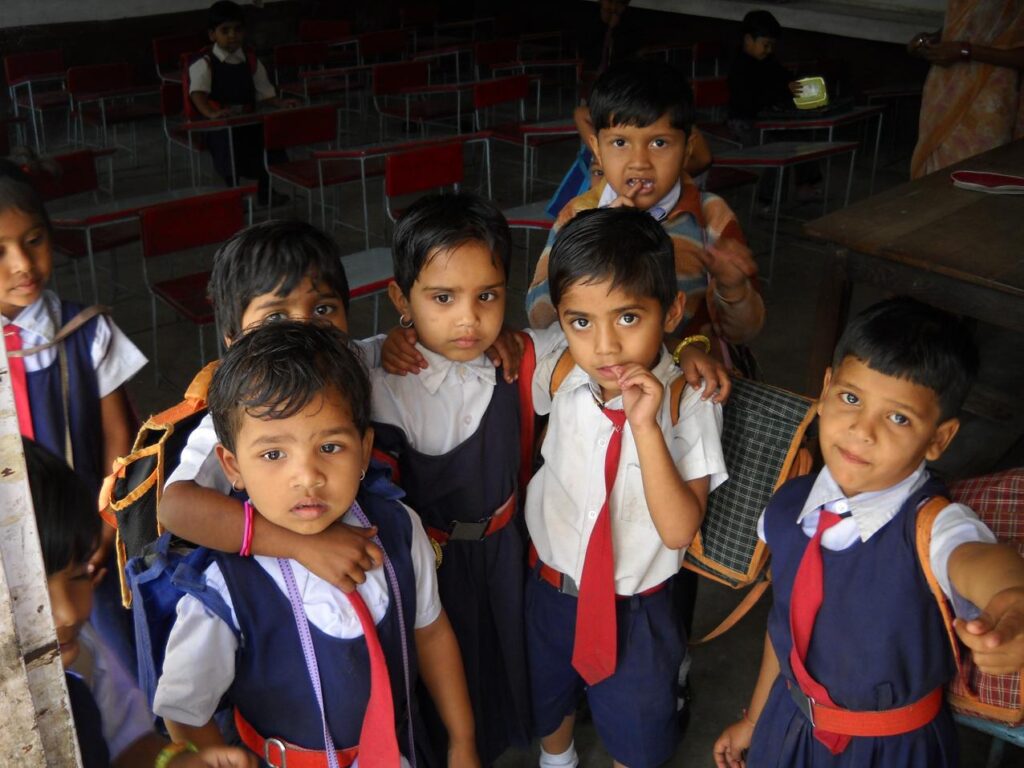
x=952 y=248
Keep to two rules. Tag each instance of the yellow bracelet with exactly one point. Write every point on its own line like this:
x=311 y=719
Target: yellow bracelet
x=687 y=342
x=171 y=751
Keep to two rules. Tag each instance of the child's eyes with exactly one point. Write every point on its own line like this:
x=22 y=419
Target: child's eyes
x=324 y=309
x=275 y=317
x=272 y=455
x=579 y=323
x=660 y=143
x=488 y=296
x=849 y=398
x=618 y=142
x=330 y=448
x=629 y=319
x=899 y=419
x=443 y=298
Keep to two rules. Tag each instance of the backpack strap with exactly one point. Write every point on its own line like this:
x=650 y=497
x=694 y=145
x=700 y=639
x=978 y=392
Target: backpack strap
x=527 y=419
x=926 y=515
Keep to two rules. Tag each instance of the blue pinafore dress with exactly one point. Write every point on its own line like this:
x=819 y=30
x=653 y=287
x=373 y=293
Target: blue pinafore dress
x=879 y=642
x=481 y=583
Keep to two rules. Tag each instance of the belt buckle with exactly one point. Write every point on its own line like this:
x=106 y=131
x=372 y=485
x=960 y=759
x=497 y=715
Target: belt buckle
x=461 y=531
x=282 y=750
x=569 y=586
x=803 y=702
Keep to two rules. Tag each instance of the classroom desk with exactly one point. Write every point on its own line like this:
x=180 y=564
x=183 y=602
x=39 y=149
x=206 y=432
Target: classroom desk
x=952 y=248
x=828 y=123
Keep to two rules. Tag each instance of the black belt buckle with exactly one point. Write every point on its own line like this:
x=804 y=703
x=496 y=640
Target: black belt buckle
x=462 y=531
x=803 y=702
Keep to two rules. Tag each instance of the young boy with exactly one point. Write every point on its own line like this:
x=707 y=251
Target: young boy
x=620 y=495
x=642 y=112
x=113 y=723
x=291 y=406
x=873 y=640
x=225 y=80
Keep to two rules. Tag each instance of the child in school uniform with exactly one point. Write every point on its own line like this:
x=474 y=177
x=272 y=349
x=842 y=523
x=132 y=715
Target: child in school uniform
x=304 y=663
x=225 y=79
x=453 y=431
x=620 y=495
x=113 y=723
x=68 y=367
x=856 y=656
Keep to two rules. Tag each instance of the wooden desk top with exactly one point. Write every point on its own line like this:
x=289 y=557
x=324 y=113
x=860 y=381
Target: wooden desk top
x=933 y=226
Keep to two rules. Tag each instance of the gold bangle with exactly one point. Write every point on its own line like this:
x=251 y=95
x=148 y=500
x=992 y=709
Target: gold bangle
x=698 y=338
x=171 y=751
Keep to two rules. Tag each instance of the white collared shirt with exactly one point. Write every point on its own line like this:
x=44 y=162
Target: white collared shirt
x=659 y=211
x=869 y=512
x=566 y=494
x=114 y=357
x=199 y=665
x=200 y=73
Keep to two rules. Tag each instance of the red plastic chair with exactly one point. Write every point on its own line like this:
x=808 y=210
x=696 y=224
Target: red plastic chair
x=172 y=105
x=388 y=44
x=168 y=50
x=105 y=96
x=35 y=84
x=324 y=30
x=495 y=54
x=181 y=225
x=299 y=128
x=402 y=91
x=707 y=53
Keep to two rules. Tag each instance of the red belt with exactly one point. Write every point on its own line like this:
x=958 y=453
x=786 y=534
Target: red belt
x=279 y=752
x=476 y=531
x=565 y=583
x=886 y=722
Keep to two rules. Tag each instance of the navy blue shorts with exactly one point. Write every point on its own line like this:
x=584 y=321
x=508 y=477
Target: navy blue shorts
x=634 y=710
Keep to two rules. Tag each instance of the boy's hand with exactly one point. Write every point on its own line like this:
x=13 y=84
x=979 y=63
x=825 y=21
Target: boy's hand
x=506 y=353
x=641 y=396
x=940 y=54
x=796 y=87
x=699 y=367
x=625 y=198
x=732 y=265
x=215 y=757
x=341 y=555
x=996 y=637
x=463 y=755
x=97 y=565
x=731 y=746
x=398 y=353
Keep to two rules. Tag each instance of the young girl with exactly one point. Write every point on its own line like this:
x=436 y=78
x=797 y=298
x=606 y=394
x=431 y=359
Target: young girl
x=114 y=725
x=68 y=375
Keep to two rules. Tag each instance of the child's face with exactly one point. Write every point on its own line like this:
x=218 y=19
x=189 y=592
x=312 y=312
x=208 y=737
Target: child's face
x=608 y=328
x=302 y=472
x=311 y=299
x=25 y=260
x=457 y=302
x=230 y=35
x=876 y=429
x=71 y=602
x=759 y=48
x=642 y=163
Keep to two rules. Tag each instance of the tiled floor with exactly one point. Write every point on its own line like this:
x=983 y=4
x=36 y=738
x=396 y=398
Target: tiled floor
x=724 y=670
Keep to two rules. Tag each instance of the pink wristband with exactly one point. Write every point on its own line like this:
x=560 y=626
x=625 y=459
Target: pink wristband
x=246 y=549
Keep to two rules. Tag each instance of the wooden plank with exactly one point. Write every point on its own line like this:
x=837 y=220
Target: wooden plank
x=38 y=728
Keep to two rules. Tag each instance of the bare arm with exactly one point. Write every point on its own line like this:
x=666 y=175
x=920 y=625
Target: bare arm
x=442 y=672
x=116 y=422
x=201 y=735
x=201 y=100
x=735 y=739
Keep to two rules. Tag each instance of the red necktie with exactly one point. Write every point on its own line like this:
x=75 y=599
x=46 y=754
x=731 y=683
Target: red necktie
x=806 y=599
x=16 y=365
x=378 y=744
x=594 y=649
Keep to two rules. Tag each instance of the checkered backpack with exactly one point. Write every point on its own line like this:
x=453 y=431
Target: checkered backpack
x=998 y=500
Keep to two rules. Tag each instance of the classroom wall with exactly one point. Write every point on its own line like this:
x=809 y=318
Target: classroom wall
x=21 y=13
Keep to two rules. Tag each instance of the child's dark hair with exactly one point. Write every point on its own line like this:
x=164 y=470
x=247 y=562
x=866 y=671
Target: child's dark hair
x=761 y=24
x=66 y=516
x=904 y=338
x=441 y=222
x=222 y=12
x=624 y=244
x=273 y=256
x=17 y=191
x=638 y=92
x=276 y=370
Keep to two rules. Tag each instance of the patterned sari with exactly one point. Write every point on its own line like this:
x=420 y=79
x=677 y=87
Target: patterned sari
x=971 y=107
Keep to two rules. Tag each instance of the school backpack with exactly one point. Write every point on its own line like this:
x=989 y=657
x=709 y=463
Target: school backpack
x=130 y=496
x=187 y=60
x=998 y=499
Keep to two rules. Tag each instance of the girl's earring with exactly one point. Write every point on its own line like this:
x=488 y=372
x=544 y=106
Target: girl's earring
x=405 y=322
x=235 y=487
x=362 y=476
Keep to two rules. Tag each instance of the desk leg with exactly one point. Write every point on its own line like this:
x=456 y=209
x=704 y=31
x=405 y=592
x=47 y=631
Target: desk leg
x=849 y=179
x=92 y=266
x=874 y=161
x=775 y=222
x=830 y=317
x=231 y=158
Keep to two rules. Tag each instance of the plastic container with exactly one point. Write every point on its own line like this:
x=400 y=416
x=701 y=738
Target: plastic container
x=813 y=95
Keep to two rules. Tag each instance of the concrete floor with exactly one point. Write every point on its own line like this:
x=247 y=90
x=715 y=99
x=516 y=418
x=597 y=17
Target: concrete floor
x=724 y=670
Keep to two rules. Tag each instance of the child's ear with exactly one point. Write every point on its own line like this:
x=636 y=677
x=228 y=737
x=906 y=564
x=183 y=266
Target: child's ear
x=594 y=144
x=398 y=300
x=367 y=447
x=824 y=388
x=229 y=463
x=691 y=142
x=943 y=436
x=210 y=33
x=674 y=315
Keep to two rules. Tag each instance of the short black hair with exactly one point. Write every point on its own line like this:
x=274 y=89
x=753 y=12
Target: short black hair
x=18 y=192
x=761 y=24
x=276 y=370
x=638 y=92
x=222 y=12
x=272 y=256
x=69 y=525
x=624 y=244
x=441 y=222
x=904 y=338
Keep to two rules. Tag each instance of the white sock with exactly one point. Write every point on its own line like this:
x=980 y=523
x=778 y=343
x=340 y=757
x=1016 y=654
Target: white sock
x=568 y=759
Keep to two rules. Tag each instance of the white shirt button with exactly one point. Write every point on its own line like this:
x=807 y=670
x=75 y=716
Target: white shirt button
x=602 y=442
x=592 y=514
x=841 y=507
x=467 y=419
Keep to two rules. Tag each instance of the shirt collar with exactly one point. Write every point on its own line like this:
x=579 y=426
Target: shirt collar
x=439 y=368
x=870 y=510
x=659 y=211
x=37 y=320
x=229 y=57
